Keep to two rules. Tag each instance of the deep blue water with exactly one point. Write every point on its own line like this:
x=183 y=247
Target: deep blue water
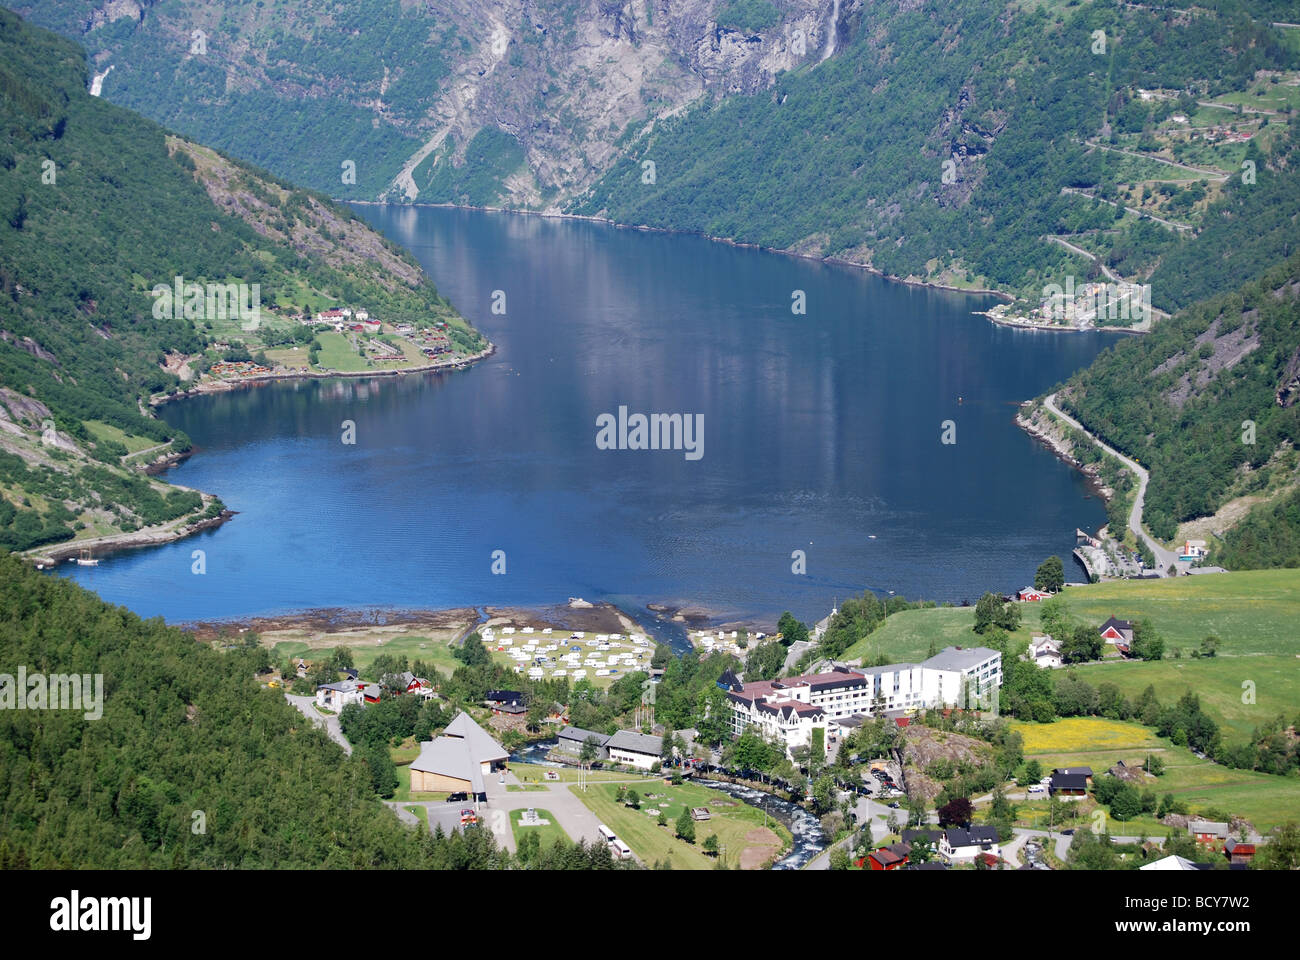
x=819 y=431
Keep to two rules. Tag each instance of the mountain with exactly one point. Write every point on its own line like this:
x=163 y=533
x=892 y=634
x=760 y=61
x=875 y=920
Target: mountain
x=526 y=101
x=1209 y=402
x=99 y=208
x=972 y=143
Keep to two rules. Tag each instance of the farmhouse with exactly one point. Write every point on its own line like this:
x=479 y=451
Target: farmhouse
x=1118 y=632
x=1238 y=851
x=1044 y=651
x=1068 y=786
x=1208 y=831
x=635 y=749
x=1032 y=595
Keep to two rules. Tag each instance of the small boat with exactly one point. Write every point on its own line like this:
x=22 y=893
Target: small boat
x=86 y=560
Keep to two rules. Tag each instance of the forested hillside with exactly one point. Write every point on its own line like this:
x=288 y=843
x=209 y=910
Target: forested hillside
x=97 y=206
x=950 y=141
x=1210 y=403
x=193 y=764
x=973 y=143
x=185 y=729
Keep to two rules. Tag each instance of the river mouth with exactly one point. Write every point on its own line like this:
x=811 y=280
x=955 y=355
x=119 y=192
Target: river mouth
x=823 y=470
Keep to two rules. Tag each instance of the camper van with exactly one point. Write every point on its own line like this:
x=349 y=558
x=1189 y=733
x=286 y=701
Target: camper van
x=620 y=850
x=605 y=832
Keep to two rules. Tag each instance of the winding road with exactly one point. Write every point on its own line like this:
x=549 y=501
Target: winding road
x=1164 y=557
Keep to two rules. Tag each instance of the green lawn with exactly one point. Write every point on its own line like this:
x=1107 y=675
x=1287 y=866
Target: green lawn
x=420 y=812
x=535 y=773
x=906 y=637
x=1261 y=798
x=436 y=652
x=106 y=431
x=731 y=821
x=1252 y=612
x=550 y=832
x=336 y=353
x=1218 y=682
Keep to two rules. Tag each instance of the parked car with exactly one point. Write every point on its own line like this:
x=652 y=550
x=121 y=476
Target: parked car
x=894 y=806
x=468 y=816
x=457 y=797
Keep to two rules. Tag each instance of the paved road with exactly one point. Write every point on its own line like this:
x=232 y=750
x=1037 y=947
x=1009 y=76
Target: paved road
x=307 y=706
x=1164 y=557
x=569 y=812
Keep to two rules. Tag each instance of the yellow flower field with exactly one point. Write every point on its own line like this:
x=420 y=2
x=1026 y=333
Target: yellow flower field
x=1074 y=734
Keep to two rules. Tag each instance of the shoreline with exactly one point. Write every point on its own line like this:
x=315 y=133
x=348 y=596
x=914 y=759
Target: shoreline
x=1015 y=324
x=225 y=386
x=120 y=542
x=1062 y=450
x=833 y=259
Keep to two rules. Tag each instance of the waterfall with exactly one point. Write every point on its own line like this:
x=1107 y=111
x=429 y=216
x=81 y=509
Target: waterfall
x=830 y=34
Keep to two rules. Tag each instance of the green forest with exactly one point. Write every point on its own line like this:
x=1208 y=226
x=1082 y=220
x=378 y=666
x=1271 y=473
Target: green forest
x=95 y=209
x=193 y=763
x=1204 y=402
x=847 y=158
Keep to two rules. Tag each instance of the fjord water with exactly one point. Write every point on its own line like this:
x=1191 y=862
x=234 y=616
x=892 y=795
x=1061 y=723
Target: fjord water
x=821 y=431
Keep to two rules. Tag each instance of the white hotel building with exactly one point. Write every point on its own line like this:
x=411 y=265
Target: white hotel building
x=789 y=709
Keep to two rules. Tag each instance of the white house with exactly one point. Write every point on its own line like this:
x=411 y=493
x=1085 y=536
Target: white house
x=635 y=749
x=336 y=696
x=1044 y=651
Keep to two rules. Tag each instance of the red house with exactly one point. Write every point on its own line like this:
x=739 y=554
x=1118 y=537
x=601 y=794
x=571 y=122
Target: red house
x=1118 y=632
x=887 y=858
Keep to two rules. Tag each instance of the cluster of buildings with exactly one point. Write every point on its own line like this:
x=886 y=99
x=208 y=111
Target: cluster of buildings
x=351 y=689
x=343 y=318
x=626 y=747
x=238 y=368
x=790 y=709
x=1045 y=650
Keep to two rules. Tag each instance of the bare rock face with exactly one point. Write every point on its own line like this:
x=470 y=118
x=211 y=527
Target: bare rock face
x=569 y=92
x=1288 y=390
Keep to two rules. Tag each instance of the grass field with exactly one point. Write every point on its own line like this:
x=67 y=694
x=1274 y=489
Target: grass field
x=906 y=637
x=1218 y=681
x=549 y=832
x=1253 y=611
x=1084 y=733
x=535 y=773
x=106 y=431
x=1090 y=741
x=336 y=353
x=737 y=825
x=364 y=649
x=420 y=813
